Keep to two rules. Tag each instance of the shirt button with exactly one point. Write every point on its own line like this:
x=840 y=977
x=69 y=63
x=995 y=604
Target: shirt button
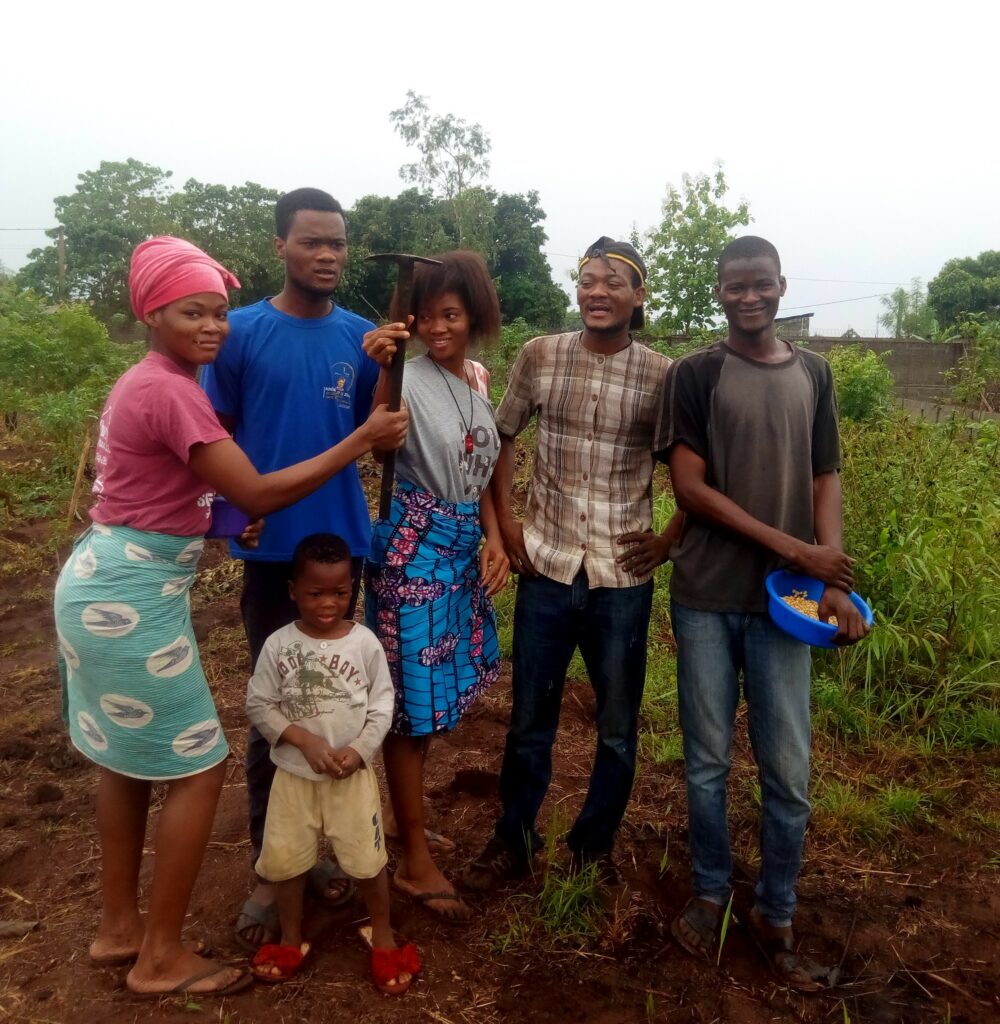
x=323 y=645
x=590 y=437
x=583 y=517
x=583 y=547
x=586 y=476
x=593 y=398
x=600 y=359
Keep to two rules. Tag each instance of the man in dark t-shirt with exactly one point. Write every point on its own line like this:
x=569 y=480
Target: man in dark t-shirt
x=749 y=427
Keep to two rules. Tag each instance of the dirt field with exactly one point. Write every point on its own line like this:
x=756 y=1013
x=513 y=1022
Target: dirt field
x=913 y=926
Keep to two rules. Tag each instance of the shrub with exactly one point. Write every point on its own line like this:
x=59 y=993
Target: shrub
x=864 y=383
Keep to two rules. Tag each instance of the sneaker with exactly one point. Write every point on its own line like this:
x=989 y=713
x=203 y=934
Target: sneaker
x=494 y=867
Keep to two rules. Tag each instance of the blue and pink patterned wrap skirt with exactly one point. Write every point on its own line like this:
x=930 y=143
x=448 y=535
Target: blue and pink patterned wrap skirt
x=425 y=600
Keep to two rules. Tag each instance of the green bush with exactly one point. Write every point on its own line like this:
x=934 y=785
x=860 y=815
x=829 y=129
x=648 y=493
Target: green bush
x=864 y=383
x=60 y=365
x=922 y=516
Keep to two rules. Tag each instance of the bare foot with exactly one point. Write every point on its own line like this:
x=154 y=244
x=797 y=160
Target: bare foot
x=114 y=951
x=163 y=977
x=435 y=893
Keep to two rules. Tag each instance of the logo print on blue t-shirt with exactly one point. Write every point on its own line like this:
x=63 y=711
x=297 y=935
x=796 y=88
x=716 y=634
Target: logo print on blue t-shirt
x=343 y=381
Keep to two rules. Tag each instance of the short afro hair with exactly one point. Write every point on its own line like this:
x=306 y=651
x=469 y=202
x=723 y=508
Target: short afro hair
x=746 y=248
x=465 y=273
x=327 y=548
x=302 y=199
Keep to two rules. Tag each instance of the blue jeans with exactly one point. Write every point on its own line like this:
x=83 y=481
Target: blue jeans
x=265 y=607
x=610 y=627
x=713 y=650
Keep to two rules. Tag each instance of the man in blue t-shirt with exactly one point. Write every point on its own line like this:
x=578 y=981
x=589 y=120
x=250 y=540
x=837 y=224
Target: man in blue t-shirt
x=292 y=381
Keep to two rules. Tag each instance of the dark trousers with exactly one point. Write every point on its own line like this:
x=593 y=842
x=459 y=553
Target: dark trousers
x=610 y=627
x=266 y=607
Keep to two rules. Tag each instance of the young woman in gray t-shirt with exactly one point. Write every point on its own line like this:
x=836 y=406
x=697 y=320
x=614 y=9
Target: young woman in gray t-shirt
x=431 y=572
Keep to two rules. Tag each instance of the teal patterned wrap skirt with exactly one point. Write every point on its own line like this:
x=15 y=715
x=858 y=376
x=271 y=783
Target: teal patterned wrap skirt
x=135 y=697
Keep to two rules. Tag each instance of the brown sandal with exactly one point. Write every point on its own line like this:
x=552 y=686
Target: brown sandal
x=778 y=947
x=704 y=922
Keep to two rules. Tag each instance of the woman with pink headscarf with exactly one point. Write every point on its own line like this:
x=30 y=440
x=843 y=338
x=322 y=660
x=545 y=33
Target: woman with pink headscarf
x=135 y=696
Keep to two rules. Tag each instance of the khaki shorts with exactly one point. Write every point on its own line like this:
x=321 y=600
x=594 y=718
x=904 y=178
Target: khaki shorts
x=300 y=810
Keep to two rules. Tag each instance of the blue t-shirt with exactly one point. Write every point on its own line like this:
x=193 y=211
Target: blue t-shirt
x=295 y=388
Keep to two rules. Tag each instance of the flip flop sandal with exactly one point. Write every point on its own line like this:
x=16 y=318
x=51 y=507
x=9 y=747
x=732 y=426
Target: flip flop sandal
x=287 y=959
x=318 y=883
x=703 y=922
x=256 y=915
x=424 y=899
x=243 y=981
x=388 y=964
x=779 y=950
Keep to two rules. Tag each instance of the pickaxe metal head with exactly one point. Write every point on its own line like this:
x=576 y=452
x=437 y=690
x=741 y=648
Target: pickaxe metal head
x=404 y=283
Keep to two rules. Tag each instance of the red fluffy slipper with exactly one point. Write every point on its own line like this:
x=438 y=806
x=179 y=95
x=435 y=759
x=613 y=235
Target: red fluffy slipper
x=273 y=963
x=389 y=964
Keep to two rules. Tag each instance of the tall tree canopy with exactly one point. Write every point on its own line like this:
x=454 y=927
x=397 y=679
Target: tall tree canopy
x=966 y=286
x=454 y=156
x=682 y=252
x=907 y=312
x=120 y=204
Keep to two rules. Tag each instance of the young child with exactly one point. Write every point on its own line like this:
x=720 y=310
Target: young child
x=322 y=696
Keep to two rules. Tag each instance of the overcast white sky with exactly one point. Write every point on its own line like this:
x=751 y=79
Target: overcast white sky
x=864 y=135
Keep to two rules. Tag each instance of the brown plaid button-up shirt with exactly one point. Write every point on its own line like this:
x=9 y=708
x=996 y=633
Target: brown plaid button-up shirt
x=593 y=467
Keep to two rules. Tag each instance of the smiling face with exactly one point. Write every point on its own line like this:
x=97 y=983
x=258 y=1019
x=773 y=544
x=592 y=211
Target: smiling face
x=191 y=330
x=607 y=295
x=749 y=291
x=315 y=251
x=444 y=326
x=322 y=591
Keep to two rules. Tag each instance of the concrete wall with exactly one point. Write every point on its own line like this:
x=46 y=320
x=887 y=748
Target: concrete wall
x=918 y=367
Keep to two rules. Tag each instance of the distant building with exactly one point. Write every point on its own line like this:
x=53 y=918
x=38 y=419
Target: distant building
x=793 y=326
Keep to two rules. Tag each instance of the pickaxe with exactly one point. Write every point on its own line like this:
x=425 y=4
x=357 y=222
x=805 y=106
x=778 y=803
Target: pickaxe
x=404 y=292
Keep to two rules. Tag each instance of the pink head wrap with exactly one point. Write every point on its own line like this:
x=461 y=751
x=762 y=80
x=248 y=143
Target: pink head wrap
x=166 y=269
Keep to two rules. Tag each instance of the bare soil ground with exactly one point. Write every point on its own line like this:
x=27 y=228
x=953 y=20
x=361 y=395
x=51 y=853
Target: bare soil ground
x=914 y=925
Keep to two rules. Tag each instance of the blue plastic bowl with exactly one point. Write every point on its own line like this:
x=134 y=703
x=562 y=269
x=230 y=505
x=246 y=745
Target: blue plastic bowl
x=780 y=584
x=227 y=519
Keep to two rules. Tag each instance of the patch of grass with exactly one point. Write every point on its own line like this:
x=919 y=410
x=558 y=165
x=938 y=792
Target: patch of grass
x=840 y=808
x=660 y=749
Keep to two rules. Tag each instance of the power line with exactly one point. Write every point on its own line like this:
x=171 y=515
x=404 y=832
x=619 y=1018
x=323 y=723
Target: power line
x=837 y=302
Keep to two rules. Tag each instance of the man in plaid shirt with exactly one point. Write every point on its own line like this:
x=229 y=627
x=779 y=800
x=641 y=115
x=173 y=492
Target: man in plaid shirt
x=585 y=552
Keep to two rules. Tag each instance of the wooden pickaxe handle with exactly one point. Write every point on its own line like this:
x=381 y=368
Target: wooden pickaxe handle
x=404 y=289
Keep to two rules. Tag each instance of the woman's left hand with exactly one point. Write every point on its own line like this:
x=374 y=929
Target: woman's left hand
x=494 y=566
x=250 y=537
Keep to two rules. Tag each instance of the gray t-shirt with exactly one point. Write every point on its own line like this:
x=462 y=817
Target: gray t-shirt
x=434 y=456
x=764 y=430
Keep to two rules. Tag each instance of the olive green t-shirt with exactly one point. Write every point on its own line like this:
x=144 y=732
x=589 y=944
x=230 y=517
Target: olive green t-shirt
x=765 y=430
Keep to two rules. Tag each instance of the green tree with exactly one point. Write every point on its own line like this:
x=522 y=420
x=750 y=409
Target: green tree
x=523 y=276
x=966 y=286
x=112 y=209
x=682 y=252
x=454 y=154
x=908 y=313
x=236 y=226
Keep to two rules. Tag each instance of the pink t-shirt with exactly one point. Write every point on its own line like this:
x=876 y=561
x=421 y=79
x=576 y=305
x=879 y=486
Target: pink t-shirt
x=152 y=417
